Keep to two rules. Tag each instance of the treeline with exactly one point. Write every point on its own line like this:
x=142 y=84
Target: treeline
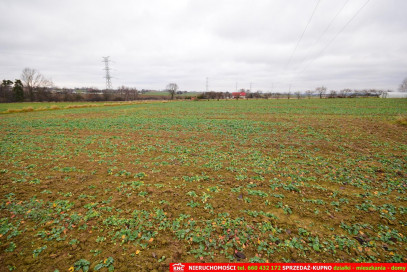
x=15 y=92
x=320 y=92
x=34 y=87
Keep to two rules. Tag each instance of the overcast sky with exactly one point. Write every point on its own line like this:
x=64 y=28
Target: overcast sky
x=269 y=44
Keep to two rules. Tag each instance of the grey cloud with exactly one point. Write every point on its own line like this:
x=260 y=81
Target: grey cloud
x=153 y=42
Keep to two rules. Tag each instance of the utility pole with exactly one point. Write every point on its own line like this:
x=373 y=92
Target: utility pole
x=207 y=84
x=250 y=87
x=107 y=75
x=236 y=86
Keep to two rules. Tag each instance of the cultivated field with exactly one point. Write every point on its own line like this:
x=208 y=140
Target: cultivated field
x=134 y=187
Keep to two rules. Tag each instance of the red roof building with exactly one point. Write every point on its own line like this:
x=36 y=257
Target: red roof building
x=239 y=95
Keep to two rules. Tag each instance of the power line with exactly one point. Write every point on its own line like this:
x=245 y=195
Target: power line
x=333 y=19
x=337 y=34
x=107 y=75
x=302 y=35
x=329 y=25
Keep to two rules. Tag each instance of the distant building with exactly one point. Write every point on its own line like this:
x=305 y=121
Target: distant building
x=239 y=95
x=394 y=95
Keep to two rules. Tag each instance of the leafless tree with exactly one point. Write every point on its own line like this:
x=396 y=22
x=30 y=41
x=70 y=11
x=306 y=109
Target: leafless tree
x=403 y=86
x=172 y=89
x=383 y=93
x=267 y=95
x=124 y=93
x=107 y=95
x=134 y=93
x=276 y=95
x=374 y=92
x=256 y=95
x=346 y=92
x=369 y=92
x=33 y=81
x=211 y=95
x=309 y=93
x=332 y=94
x=219 y=95
x=297 y=94
x=321 y=91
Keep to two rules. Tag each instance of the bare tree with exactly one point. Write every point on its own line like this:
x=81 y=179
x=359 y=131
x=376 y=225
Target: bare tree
x=370 y=92
x=172 y=89
x=383 y=93
x=107 y=94
x=124 y=92
x=210 y=95
x=267 y=95
x=219 y=95
x=134 y=93
x=33 y=81
x=297 y=94
x=332 y=94
x=374 y=92
x=256 y=95
x=276 y=95
x=346 y=92
x=403 y=86
x=309 y=93
x=321 y=91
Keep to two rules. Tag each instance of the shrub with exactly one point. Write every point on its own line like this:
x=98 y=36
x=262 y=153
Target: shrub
x=28 y=109
x=13 y=110
x=402 y=120
x=54 y=107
